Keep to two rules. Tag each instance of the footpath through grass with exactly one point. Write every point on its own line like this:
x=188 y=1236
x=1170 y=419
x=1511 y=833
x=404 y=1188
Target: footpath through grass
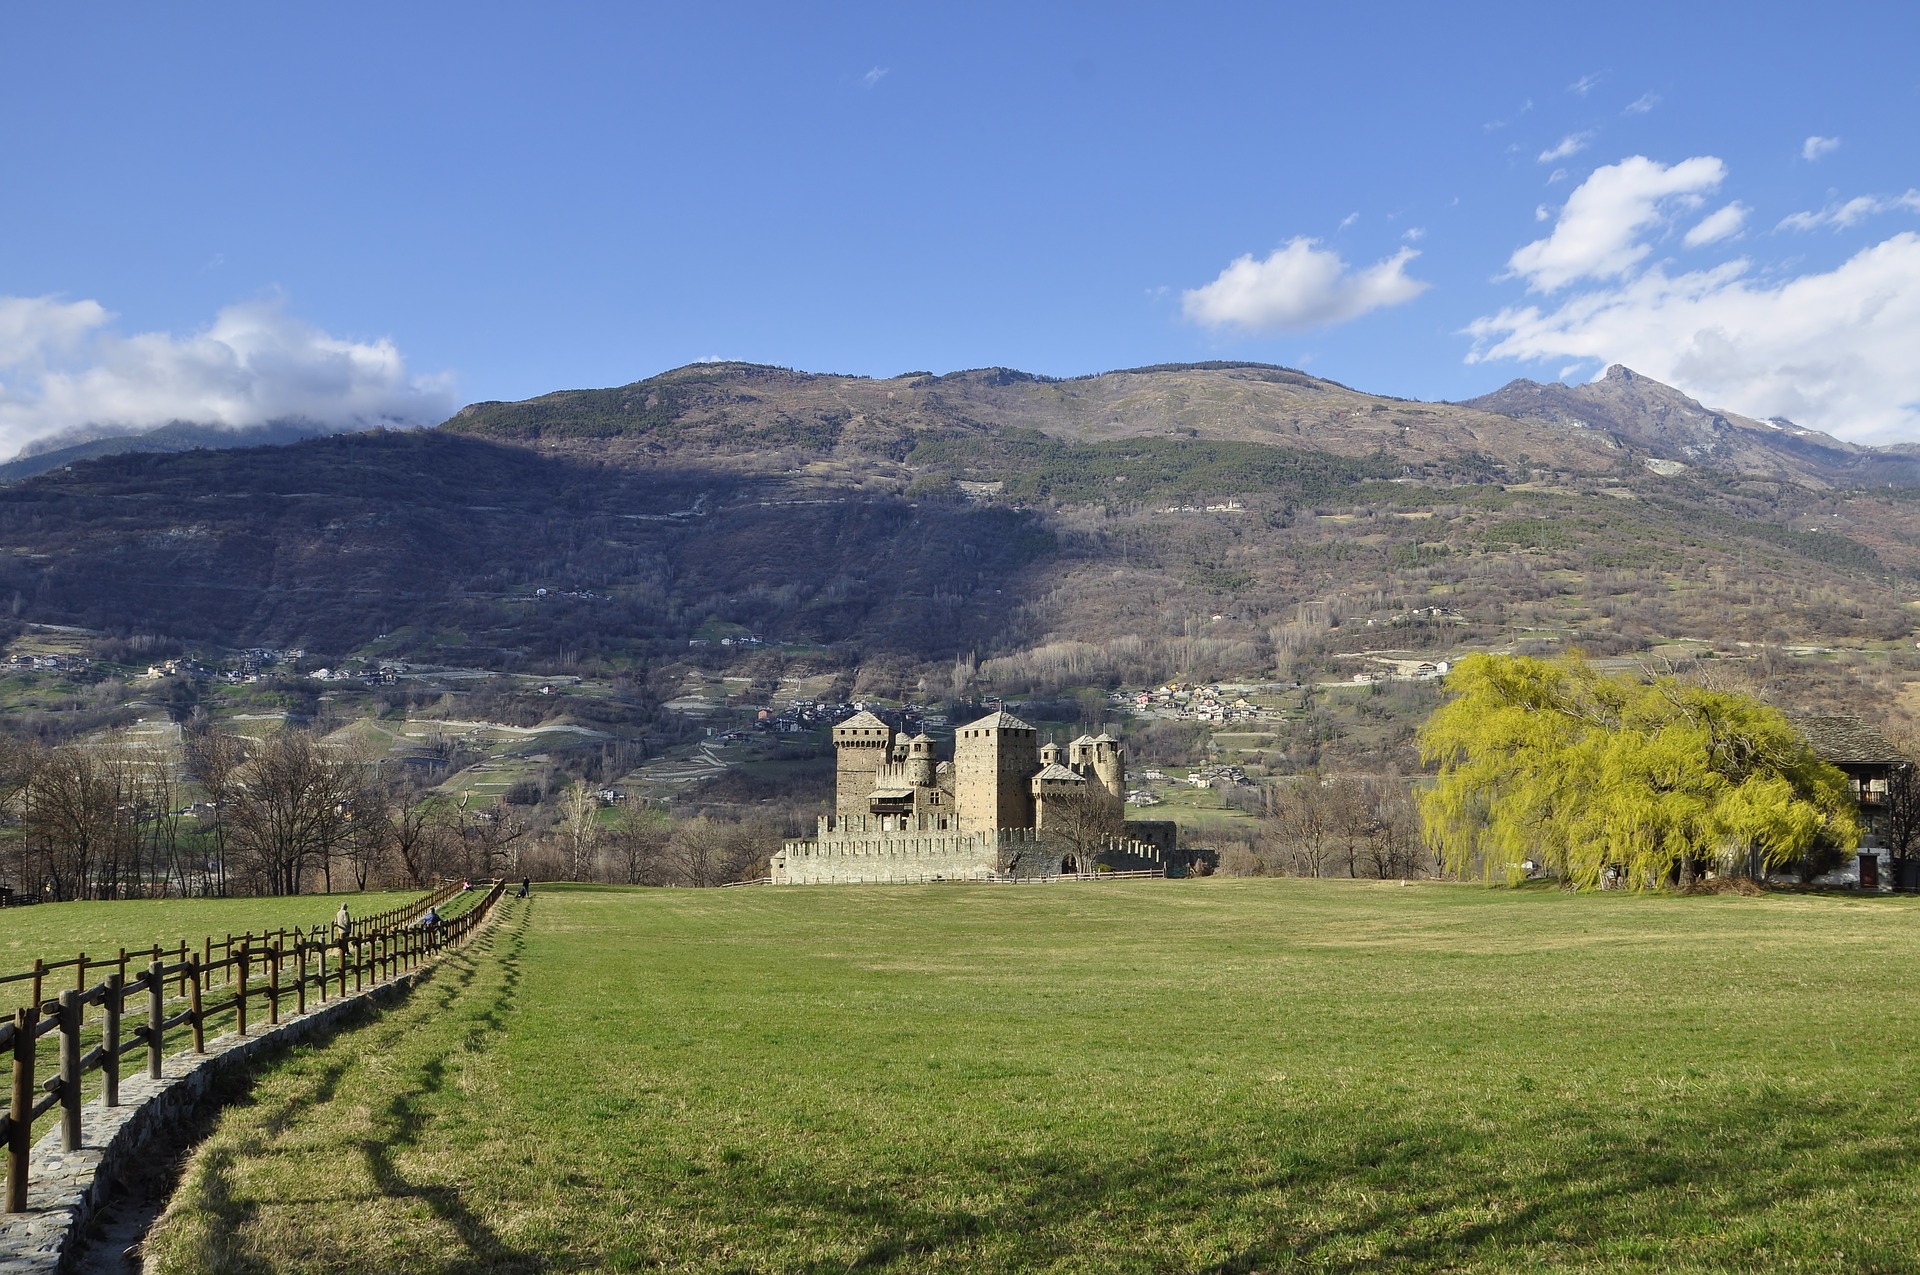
x=1140 y=1076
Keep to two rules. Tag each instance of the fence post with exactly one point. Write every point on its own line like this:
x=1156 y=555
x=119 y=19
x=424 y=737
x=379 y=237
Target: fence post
x=39 y=975
x=70 y=1070
x=26 y=1035
x=240 y=993
x=110 y=1061
x=156 y=1015
x=320 y=983
x=273 y=988
x=199 y=973
x=300 y=975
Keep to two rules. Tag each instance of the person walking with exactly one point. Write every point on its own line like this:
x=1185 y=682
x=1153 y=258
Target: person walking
x=526 y=884
x=343 y=922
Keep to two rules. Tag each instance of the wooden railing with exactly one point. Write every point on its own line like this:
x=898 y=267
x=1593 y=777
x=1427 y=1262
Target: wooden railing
x=283 y=968
x=374 y=923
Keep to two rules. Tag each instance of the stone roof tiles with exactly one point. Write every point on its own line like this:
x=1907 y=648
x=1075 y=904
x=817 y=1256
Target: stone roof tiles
x=997 y=721
x=863 y=720
x=1846 y=741
x=1058 y=772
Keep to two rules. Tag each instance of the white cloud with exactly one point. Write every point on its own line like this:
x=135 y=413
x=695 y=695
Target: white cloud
x=1814 y=147
x=1570 y=145
x=1718 y=225
x=875 y=75
x=1300 y=286
x=1598 y=232
x=1852 y=212
x=1414 y=234
x=1831 y=350
x=1349 y=219
x=1585 y=84
x=62 y=368
x=1642 y=104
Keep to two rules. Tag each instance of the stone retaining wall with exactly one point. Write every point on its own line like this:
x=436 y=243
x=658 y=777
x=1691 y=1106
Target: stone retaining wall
x=66 y=1188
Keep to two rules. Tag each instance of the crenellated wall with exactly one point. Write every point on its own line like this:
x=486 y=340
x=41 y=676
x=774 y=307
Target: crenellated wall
x=854 y=848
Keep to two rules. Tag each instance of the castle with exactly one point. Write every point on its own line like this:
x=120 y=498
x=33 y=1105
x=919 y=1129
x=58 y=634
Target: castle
x=1004 y=806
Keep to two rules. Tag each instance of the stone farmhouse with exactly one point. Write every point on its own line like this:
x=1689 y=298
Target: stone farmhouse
x=1003 y=806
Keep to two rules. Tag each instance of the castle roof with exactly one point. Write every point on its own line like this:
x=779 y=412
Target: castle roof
x=1057 y=772
x=863 y=720
x=921 y=738
x=1104 y=738
x=1084 y=739
x=998 y=721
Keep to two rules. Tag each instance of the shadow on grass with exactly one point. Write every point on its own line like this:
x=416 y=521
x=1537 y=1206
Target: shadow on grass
x=1712 y=1184
x=408 y=1114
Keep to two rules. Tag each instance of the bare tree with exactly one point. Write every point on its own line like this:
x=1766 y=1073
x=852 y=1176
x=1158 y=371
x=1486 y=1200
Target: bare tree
x=213 y=762
x=1080 y=824
x=417 y=833
x=1902 y=816
x=580 y=829
x=1393 y=841
x=639 y=842
x=290 y=809
x=69 y=816
x=491 y=838
x=707 y=851
x=1301 y=833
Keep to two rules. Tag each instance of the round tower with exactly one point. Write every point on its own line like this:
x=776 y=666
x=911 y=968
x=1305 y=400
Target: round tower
x=920 y=761
x=1110 y=766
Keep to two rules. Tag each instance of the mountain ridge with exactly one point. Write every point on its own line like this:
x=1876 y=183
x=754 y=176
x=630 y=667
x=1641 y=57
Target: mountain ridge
x=1625 y=422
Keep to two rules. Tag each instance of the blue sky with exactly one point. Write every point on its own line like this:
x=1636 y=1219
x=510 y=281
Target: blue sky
x=360 y=212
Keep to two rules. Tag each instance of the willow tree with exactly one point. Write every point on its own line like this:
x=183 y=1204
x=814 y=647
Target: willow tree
x=1553 y=762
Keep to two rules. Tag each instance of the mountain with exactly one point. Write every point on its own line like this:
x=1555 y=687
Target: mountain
x=1641 y=413
x=744 y=414
x=180 y=436
x=1147 y=523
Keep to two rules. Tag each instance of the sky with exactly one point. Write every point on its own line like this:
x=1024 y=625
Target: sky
x=361 y=214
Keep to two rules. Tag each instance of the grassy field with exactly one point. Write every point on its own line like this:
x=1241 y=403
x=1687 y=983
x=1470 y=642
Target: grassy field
x=1223 y=1076
x=58 y=931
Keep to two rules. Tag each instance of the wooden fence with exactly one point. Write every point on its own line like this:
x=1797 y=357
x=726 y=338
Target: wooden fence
x=283 y=968
x=371 y=924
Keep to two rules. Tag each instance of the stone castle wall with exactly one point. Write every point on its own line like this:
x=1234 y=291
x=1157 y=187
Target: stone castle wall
x=852 y=849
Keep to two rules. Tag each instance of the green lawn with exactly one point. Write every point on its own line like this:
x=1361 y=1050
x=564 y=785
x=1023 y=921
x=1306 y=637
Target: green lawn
x=61 y=931
x=1214 y=1075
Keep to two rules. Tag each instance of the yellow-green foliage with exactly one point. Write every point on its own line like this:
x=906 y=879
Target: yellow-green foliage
x=1552 y=761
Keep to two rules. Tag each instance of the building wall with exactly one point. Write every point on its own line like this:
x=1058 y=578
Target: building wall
x=993 y=769
x=859 y=752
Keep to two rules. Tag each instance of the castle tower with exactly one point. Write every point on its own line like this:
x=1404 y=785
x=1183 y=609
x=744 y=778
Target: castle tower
x=994 y=760
x=1110 y=767
x=861 y=745
x=920 y=761
x=1049 y=755
x=1054 y=784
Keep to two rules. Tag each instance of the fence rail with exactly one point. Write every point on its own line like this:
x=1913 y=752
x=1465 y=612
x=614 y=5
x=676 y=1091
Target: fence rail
x=375 y=923
x=282 y=969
